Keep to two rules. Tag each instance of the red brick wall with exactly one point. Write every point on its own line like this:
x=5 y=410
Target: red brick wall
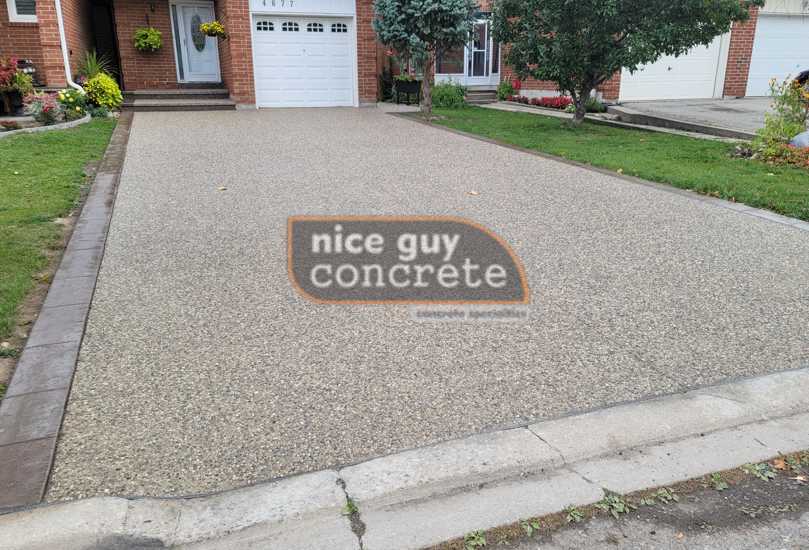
x=20 y=40
x=366 y=52
x=78 y=30
x=143 y=70
x=741 y=50
x=236 y=53
x=52 y=68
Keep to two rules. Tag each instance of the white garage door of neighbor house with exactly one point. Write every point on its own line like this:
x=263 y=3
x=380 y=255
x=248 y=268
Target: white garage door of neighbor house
x=781 y=49
x=303 y=62
x=690 y=76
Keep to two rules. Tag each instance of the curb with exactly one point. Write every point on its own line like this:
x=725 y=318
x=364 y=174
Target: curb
x=425 y=496
x=31 y=411
x=35 y=129
x=638 y=117
x=720 y=203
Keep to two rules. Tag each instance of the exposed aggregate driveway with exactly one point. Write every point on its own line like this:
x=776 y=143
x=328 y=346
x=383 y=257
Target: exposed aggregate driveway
x=202 y=369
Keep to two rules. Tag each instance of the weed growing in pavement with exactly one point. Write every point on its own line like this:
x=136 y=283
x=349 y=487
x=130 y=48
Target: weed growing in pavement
x=529 y=526
x=763 y=471
x=475 y=539
x=718 y=483
x=8 y=352
x=350 y=508
x=615 y=504
x=573 y=514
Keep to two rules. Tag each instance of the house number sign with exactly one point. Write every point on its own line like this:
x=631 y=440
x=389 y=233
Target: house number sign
x=280 y=3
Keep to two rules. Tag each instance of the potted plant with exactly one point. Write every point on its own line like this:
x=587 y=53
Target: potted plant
x=147 y=39
x=214 y=29
x=14 y=85
x=407 y=84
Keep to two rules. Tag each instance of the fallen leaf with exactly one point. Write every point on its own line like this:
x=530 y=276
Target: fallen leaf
x=620 y=170
x=680 y=536
x=16 y=173
x=770 y=174
x=474 y=193
x=800 y=479
x=221 y=188
x=779 y=464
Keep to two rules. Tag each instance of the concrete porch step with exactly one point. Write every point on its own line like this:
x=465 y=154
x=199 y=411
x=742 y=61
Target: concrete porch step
x=179 y=93
x=186 y=104
x=480 y=97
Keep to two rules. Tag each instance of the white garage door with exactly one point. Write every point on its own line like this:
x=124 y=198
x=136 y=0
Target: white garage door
x=692 y=75
x=303 y=62
x=781 y=49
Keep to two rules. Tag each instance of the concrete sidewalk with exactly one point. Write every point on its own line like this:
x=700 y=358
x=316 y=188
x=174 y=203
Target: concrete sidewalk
x=202 y=369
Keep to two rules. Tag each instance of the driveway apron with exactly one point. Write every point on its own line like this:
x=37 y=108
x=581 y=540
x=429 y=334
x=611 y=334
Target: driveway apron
x=202 y=369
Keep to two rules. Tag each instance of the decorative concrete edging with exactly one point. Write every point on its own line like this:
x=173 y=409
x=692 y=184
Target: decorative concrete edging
x=428 y=495
x=34 y=129
x=32 y=409
x=634 y=116
x=721 y=203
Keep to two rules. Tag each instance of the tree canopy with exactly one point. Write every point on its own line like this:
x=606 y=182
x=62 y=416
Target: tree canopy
x=579 y=44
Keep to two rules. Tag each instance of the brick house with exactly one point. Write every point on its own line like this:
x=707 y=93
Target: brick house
x=284 y=53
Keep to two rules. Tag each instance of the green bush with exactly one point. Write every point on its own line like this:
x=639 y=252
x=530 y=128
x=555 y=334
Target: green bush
x=103 y=91
x=449 y=95
x=98 y=112
x=504 y=90
x=790 y=110
x=73 y=103
x=595 y=106
x=148 y=39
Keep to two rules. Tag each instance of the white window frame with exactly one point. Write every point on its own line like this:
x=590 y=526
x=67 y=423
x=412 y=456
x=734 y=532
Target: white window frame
x=14 y=17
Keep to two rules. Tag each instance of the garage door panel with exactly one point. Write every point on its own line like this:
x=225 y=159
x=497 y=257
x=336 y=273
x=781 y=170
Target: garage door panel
x=692 y=75
x=304 y=68
x=780 y=49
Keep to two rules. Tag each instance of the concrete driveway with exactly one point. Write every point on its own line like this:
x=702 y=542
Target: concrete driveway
x=202 y=369
x=743 y=115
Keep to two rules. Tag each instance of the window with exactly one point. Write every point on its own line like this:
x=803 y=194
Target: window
x=22 y=11
x=290 y=26
x=314 y=27
x=264 y=26
x=339 y=27
x=451 y=61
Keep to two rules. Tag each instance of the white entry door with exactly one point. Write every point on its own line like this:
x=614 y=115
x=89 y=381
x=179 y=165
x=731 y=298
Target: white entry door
x=197 y=55
x=478 y=64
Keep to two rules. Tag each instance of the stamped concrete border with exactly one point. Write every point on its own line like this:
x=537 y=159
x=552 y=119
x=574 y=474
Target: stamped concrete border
x=35 y=129
x=32 y=409
x=721 y=203
x=425 y=496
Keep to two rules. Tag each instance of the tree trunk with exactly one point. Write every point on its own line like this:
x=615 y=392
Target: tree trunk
x=426 y=86
x=580 y=101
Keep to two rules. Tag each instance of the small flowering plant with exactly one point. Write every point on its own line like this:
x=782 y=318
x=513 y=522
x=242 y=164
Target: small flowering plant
x=44 y=107
x=214 y=29
x=73 y=103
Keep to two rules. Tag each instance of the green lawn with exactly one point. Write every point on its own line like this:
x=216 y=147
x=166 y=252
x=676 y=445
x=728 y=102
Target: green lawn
x=41 y=176
x=689 y=163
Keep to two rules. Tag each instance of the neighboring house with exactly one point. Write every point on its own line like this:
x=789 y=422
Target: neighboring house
x=291 y=53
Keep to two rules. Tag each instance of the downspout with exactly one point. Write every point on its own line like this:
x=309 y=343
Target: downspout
x=63 y=41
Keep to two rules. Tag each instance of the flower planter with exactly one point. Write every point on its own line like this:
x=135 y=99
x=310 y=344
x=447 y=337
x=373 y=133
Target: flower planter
x=11 y=103
x=407 y=87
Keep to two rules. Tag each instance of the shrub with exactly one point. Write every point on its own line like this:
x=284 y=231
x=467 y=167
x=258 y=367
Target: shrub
x=92 y=65
x=103 y=91
x=147 y=39
x=45 y=108
x=9 y=125
x=449 y=95
x=595 y=106
x=98 y=112
x=556 y=102
x=790 y=106
x=73 y=103
x=504 y=90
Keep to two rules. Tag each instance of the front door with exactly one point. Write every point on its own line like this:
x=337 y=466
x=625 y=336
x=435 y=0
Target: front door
x=197 y=54
x=477 y=64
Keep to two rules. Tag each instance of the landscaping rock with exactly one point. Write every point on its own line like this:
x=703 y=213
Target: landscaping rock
x=801 y=140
